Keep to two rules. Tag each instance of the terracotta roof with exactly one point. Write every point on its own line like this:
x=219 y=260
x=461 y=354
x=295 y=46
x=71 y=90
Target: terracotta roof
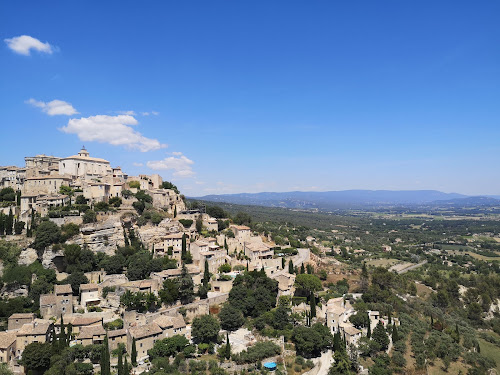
x=146 y=330
x=175 y=235
x=22 y=316
x=7 y=339
x=260 y=246
x=51 y=177
x=117 y=332
x=87 y=287
x=39 y=327
x=47 y=299
x=63 y=289
x=86 y=320
x=175 y=322
x=350 y=330
x=90 y=332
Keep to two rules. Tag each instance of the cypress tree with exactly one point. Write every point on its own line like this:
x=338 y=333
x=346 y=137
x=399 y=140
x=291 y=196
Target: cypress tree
x=18 y=198
x=390 y=318
x=283 y=263
x=62 y=335
x=184 y=247
x=206 y=274
x=225 y=245
x=228 y=347
x=133 y=355
x=9 y=222
x=2 y=224
x=302 y=268
x=369 y=329
x=126 y=369
x=395 y=336
x=312 y=303
x=125 y=238
x=175 y=211
x=290 y=267
x=336 y=341
x=105 y=360
x=432 y=322
x=247 y=265
x=120 y=362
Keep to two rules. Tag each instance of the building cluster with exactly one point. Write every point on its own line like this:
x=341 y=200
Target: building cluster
x=40 y=181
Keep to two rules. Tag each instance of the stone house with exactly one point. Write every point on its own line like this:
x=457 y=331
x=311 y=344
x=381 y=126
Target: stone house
x=117 y=336
x=36 y=331
x=145 y=337
x=90 y=335
x=89 y=295
x=171 y=325
x=57 y=303
x=7 y=346
x=16 y=321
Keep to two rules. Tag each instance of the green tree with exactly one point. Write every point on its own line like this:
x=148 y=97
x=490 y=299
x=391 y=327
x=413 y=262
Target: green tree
x=205 y=329
x=342 y=365
x=206 y=274
x=9 y=222
x=312 y=305
x=183 y=246
x=89 y=217
x=380 y=336
x=47 y=233
x=199 y=224
x=228 y=346
x=133 y=354
x=186 y=286
x=169 y=294
x=105 y=358
x=290 y=267
x=309 y=283
x=120 y=363
x=36 y=357
x=231 y=318
x=19 y=226
x=364 y=278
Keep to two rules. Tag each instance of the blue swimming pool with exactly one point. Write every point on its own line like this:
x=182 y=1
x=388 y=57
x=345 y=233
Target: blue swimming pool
x=270 y=366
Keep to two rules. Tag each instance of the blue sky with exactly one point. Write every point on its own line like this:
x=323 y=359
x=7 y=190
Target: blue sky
x=248 y=96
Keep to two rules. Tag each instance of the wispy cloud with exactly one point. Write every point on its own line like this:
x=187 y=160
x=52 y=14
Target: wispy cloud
x=55 y=107
x=138 y=164
x=154 y=113
x=129 y=113
x=24 y=44
x=181 y=165
x=115 y=130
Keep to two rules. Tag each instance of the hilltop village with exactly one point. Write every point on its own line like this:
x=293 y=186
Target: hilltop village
x=103 y=272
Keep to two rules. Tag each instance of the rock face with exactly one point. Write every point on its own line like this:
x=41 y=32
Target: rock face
x=149 y=235
x=13 y=291
x=27 y=257
x=102 y=237
x=52 y=259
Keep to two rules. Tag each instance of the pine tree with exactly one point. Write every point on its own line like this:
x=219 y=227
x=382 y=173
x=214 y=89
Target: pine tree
x=312 y=304
x=206 y=274
x=290 y=267
x=380 y=335
x=120 y=362
x=228 y=347
x=133 y=354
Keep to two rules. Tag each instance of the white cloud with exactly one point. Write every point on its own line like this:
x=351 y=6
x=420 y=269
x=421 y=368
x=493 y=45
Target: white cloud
x=181 y=165
x=24 y=44
x=128 y=113
x=177 y=153
x=115 y=130
x=154 y=113
x=138 y=164
x=55 y=107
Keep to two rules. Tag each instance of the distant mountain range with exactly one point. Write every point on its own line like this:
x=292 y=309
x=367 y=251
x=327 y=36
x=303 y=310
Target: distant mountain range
x=352 y=199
